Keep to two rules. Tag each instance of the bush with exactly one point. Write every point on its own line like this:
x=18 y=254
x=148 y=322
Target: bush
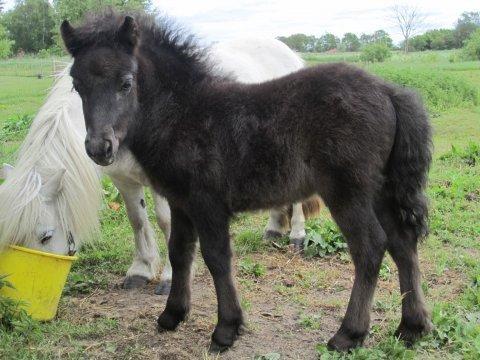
x=376 y=52
x=439 y=89
x=5 y=44
x=471 y=50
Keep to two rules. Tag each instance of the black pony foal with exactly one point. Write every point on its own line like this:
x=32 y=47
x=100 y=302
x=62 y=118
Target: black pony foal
x=213 y=147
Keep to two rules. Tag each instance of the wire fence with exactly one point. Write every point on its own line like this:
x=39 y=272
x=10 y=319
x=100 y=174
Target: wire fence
x=32 y=67
x=13 y=130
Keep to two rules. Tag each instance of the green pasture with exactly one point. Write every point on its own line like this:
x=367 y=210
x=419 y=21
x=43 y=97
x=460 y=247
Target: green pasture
x=450 y=256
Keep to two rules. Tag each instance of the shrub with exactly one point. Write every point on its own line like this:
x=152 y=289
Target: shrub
x=439 y=89
x=471 y=50
x=323 y=239
x=376 y=52
x=5 y=44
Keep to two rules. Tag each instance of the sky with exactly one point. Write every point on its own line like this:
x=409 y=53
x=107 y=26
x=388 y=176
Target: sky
x=216 y=20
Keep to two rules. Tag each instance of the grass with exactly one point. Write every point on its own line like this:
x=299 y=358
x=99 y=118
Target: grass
x=449 y=256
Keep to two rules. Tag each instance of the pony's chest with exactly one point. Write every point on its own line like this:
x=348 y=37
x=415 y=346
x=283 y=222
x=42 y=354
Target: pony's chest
x=126 y=167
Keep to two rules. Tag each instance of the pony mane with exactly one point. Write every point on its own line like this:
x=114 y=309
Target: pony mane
x=51 y=144
x=157 y=34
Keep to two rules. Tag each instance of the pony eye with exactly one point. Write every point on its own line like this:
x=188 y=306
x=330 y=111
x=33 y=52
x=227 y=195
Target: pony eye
x=46 y=236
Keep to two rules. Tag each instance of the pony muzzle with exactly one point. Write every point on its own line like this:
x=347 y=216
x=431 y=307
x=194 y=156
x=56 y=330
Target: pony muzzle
x=101 y=150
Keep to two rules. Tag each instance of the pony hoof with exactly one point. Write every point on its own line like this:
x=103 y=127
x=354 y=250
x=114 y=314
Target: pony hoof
x=163 y=288
x=169 y=321
x=410 y=333
x=342 y=342
x=297 y=243
x=215 y=348
x=272 y=235
x=134 y=282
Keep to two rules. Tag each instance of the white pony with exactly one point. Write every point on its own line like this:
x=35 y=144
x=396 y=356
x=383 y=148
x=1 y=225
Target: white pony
x=50 y=200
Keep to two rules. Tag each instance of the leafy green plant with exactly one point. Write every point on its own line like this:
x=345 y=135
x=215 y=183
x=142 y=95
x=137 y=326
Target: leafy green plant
x=249 y=267
x=15 y=129
x=13 y=317
x=311 y=322
x=470 y=154
x=249 y=241
x=323 y=239
x=375 y=52
x=471 y=49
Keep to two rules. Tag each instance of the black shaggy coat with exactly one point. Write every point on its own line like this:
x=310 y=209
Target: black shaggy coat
x=214 y=147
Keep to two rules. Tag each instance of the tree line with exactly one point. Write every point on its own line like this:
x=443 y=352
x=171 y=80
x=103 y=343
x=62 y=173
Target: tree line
x=438 y=39
x=31 y=26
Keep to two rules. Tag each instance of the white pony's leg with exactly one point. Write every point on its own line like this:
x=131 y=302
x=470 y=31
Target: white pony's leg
x=146 y=261
x=162 y=212
x=297 y=234
x=277 y=224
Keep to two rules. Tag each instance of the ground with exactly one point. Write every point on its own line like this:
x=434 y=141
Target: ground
x=293 y=304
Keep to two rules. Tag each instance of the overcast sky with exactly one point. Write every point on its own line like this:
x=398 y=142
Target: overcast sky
x=224 y=19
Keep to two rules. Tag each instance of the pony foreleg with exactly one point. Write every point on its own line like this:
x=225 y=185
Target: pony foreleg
x=162 y=213
x=146 y=261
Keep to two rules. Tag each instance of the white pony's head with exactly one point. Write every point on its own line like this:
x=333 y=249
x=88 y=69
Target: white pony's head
x=49 y=201
x=38 y=224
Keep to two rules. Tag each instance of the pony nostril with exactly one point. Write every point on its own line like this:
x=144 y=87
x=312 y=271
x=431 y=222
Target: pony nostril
x=108 y=149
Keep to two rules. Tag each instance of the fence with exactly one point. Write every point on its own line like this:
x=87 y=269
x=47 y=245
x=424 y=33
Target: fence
x=14 y=129
x=32 y=67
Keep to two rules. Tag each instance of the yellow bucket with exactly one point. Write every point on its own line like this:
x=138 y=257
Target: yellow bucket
x=38 y=278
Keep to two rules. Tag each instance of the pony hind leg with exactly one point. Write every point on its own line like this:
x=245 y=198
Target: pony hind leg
x=402 y=246
x=367 y=243
x=146 y=261
x=297 y=233
x=278 y=223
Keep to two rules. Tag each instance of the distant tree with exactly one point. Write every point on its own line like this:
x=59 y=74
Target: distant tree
x=409 y=20
x=381 y=36
x=466 y=25
x=75 y=10
x=350 y=42
x=327 y=42
x=299 y=42
x=438 y=39
x=2 y=6
x=30 y=25
x=471 y=49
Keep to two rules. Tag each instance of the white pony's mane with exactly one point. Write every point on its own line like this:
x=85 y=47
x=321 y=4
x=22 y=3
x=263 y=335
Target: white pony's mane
x=51 y=144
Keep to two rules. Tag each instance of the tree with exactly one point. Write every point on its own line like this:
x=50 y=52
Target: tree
x=381 y=36
x=409 y=20
x=350 y=42
x=74 y=10
x=327 y=42
x=30 y=25
x=466 y=25
x=299 y=42
x=2 y=5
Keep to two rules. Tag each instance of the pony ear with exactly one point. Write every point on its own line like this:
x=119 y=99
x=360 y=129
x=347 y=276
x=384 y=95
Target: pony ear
x=53 y=185
x=69 y=37
x=5 y=171
x=128 y=32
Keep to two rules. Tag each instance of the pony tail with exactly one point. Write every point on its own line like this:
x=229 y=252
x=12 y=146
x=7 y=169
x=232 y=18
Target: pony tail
x=410 y=160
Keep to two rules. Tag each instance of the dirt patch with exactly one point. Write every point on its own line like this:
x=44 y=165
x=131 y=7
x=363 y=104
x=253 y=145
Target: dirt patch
x=294 y=306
